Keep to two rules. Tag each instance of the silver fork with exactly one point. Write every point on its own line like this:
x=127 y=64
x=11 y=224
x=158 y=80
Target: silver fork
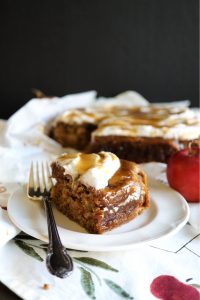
x=58 y=261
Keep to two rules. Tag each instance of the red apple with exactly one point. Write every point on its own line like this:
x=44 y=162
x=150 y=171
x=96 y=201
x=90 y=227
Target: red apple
x=167 y=287
x=183 y=173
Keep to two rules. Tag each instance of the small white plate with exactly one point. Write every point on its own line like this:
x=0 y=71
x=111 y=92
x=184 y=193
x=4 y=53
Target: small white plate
x=167 y=214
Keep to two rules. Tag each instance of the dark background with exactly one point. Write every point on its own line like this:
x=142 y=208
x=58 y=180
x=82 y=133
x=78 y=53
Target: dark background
x=68 y=46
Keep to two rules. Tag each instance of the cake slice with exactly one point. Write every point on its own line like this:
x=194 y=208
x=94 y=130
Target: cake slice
x=98 y=191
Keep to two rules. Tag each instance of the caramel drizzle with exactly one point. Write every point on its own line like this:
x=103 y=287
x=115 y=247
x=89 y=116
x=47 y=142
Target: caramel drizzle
x=86 y=161
x=127 y=123
x=130 y=116
x=126 y=172
x=125 y=175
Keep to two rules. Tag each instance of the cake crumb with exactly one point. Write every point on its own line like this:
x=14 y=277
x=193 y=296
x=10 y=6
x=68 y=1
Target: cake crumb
x=45 y=286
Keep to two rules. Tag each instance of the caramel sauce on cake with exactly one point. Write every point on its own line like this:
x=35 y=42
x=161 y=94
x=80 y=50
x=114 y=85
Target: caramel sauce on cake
x=136 y=121
x=92 y=169
x=124 y=174
x=168 y=123
x=128 y=178
x=150 y=116
x=86 y=161
x=132 y=118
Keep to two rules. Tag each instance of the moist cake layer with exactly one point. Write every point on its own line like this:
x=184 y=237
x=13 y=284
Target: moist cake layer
x=72 y=135
x=136 y=149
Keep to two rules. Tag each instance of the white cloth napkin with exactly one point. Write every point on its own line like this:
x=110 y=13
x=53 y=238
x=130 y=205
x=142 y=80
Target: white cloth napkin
x=7 y=228
x=176 y=256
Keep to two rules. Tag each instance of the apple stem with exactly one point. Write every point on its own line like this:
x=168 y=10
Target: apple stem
x=193 y=145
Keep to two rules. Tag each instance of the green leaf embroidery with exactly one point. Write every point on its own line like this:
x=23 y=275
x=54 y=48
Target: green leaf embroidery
x=24 y=237
x=87 y=283
x=189 y=279
x=70 y=249
x=88 y=269
x=195 y=285
x=96 y=263
x=45 y=250
x=28 y=250
x=44 y=245
x=117 y=289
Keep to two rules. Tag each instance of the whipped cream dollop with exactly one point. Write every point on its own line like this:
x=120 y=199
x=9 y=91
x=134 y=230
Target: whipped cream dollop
x=93 y=170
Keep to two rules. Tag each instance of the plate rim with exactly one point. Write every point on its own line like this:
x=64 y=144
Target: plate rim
x=105 y=248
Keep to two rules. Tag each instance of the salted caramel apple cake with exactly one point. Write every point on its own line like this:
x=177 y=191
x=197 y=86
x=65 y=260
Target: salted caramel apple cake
x=98 y=190
x=140 y=134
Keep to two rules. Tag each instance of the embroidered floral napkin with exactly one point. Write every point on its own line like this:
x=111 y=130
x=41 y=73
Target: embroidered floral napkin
x=158 y=270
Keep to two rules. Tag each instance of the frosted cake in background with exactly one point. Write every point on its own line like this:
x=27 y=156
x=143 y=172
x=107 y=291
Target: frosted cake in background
x=133 y=130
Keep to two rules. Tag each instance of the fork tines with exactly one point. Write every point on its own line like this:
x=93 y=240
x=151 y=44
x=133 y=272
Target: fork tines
x=40 y=181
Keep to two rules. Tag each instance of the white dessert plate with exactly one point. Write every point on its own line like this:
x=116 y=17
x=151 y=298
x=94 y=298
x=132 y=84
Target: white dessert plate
x=167 y=214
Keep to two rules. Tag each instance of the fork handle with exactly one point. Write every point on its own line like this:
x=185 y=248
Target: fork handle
x=58 y=261
x=54 y=238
